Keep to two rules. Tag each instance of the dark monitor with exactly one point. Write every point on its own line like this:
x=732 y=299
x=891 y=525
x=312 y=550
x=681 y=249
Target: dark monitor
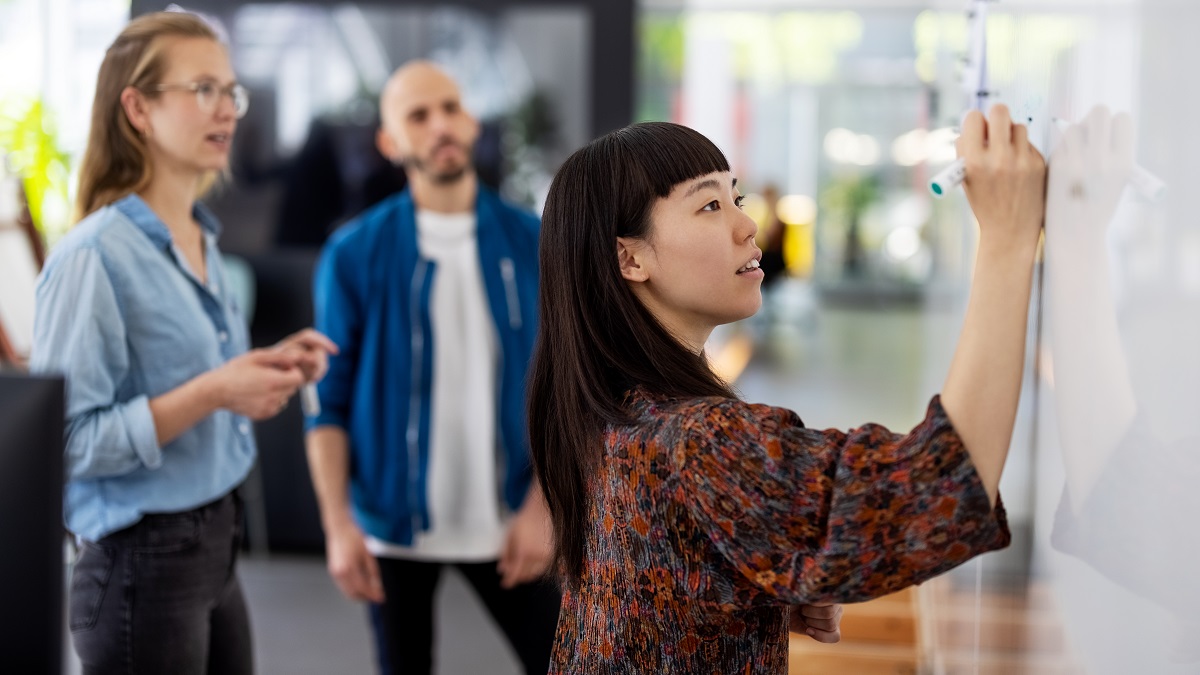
x=31 y=524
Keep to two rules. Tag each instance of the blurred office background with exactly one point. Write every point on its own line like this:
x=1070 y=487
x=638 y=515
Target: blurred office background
x=834 y=116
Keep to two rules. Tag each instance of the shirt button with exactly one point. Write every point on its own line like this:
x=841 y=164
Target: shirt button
x=244 y=427
x=224 y=336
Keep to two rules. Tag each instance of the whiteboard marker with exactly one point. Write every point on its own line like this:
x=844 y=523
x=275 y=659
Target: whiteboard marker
x=978 y=86
x=310 y=403
x=948 y=178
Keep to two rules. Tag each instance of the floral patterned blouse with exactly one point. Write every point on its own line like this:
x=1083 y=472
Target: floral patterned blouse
x=711 y=517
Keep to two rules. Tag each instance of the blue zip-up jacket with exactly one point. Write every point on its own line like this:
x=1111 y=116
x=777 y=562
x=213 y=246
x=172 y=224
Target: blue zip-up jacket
x=372 y=295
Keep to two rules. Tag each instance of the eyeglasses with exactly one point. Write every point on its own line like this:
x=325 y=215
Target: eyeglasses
x=208 y=95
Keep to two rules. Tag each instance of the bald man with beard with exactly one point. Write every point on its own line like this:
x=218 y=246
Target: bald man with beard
x=419 y=455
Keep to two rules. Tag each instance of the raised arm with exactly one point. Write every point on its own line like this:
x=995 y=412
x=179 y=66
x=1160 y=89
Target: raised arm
x=809 y=516
x=1005 y=184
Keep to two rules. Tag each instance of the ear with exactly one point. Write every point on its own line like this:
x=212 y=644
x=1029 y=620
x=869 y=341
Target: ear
x=631 y=255
x=134 y=105
x=387 y=146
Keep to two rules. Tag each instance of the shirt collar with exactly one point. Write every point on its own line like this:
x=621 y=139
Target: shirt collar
x=140 y=214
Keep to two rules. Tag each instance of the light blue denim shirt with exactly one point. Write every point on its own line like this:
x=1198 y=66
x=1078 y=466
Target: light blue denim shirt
x=122 y=317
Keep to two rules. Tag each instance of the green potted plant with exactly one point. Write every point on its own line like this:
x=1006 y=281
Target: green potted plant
x=850 y=197
x=29 y=148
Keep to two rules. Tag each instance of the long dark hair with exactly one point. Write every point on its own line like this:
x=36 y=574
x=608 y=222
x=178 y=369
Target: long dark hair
x=596 y=341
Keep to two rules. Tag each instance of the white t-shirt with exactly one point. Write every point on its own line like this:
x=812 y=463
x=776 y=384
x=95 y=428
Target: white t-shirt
x=466 y=523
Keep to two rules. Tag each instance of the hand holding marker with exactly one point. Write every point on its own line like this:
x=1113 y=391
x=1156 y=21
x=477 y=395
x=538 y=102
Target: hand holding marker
x=977 y=85
x=1145 y=183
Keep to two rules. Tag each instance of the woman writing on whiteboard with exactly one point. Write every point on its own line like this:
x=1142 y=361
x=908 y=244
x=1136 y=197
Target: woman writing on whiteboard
x=688 y=522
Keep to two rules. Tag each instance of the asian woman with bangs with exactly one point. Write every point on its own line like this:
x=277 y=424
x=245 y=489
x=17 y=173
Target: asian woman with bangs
x=693 y=528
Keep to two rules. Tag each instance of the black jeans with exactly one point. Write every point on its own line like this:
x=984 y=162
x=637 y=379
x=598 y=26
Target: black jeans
x=163 y=596
x=527 y=614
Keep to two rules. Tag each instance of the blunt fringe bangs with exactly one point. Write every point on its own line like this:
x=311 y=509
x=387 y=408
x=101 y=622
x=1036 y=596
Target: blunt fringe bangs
x=666 y=155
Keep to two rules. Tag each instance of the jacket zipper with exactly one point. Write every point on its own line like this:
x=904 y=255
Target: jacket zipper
x=509 y=274
x=415 y=403
x=501 y=446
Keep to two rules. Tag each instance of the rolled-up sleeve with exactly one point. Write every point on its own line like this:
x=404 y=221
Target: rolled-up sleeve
x=79 y=333
x=827 y=516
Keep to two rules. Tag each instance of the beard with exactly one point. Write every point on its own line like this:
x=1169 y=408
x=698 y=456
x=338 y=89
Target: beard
x=445 y=176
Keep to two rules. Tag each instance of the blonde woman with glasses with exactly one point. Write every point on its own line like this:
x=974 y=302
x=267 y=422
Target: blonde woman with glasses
x=161 y=388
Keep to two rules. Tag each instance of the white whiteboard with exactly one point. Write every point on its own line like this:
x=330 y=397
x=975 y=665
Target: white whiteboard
x=1115 y=434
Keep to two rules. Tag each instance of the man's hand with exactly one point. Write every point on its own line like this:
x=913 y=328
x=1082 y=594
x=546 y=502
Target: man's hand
x=353 y=568
x=529 y=546
x=820 y=622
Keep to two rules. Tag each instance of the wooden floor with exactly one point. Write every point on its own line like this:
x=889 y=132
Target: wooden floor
x=878 y=638
x=941 y=630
